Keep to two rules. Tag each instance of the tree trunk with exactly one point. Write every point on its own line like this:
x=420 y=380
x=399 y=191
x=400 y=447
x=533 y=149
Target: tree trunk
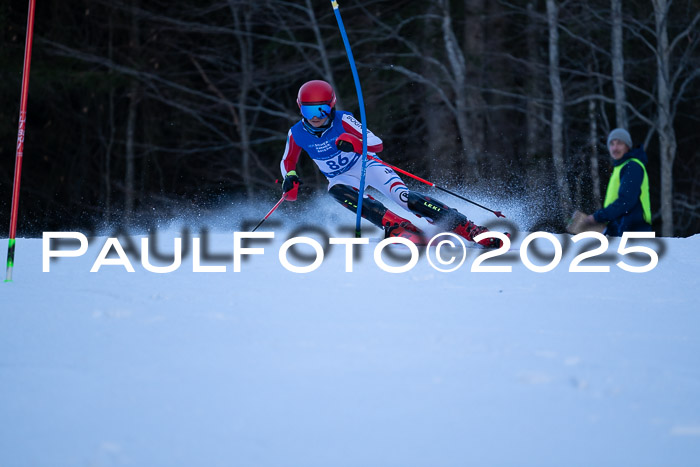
x=474 y=51
x=618 y=65
x=667 y=135
x=246 y=76
x=130 y=153
x=533 y=143
x=107 y=172
x=440 y=141
x=458 y=67
x=129 y=176
x=593 y=144
x=557 y=107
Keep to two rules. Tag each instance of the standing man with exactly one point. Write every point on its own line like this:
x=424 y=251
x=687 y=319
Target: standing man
x=626 y=207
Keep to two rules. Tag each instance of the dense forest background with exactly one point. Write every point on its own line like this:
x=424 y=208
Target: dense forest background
x=142 y=106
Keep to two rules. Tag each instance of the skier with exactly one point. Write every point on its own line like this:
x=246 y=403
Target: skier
x=333 y=139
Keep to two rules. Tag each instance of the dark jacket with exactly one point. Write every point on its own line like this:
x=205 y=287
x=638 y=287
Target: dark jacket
x=626 y=213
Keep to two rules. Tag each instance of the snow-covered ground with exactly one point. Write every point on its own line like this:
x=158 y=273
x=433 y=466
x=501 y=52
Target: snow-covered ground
x=265 y=367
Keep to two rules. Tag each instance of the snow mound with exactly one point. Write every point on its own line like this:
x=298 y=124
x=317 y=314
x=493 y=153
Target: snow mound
x=267 y=367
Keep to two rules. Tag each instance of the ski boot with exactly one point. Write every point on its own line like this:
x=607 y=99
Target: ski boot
x=470 y=230
x=378 y=214
x=397 y=226
x=437 y=212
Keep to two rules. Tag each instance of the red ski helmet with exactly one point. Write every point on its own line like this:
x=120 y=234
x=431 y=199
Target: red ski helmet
x=316 y=99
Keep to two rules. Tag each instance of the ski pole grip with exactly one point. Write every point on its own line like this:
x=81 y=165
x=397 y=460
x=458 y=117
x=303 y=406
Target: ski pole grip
x=291 y=195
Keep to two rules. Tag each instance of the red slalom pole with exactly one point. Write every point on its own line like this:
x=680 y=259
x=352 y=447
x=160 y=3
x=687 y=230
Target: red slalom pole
x=20 y=140
x=497 y=213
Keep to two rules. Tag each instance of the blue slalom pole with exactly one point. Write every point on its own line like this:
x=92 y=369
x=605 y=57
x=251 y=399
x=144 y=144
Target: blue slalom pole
x=361 y=103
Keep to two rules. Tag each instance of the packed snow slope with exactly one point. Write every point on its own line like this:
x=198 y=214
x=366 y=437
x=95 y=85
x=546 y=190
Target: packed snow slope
x=266 y=367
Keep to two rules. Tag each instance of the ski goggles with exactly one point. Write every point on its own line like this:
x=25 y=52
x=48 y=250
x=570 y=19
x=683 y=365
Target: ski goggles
x=310 y=111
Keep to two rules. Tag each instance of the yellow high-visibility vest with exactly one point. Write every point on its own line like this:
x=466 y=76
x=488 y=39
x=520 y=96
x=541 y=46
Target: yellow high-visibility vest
x=613 y=191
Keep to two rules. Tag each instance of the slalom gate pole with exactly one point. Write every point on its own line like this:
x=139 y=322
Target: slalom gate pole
x=497 y=213
x=20 y=141
x=284 y=196
x=361 y=103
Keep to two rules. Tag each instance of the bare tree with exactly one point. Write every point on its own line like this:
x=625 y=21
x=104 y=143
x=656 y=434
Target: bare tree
x=202 y=105
x=557 y=106
x=618 y=64
x=671 y=84
x=242 y=23
x=474 y=47
x=442 y=71
x=458 y=78
x=593 y=148
x=133 y=96
x=533 y=112
x=439 y=132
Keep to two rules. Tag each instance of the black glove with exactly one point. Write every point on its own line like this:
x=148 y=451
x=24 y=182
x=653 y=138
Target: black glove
x=345 y=146
x=289 y=180
x=349 y=143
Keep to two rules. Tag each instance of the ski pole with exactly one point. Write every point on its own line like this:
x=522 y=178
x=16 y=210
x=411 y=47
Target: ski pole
x=497 y=213
x=284 y=197
x=270 y=213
